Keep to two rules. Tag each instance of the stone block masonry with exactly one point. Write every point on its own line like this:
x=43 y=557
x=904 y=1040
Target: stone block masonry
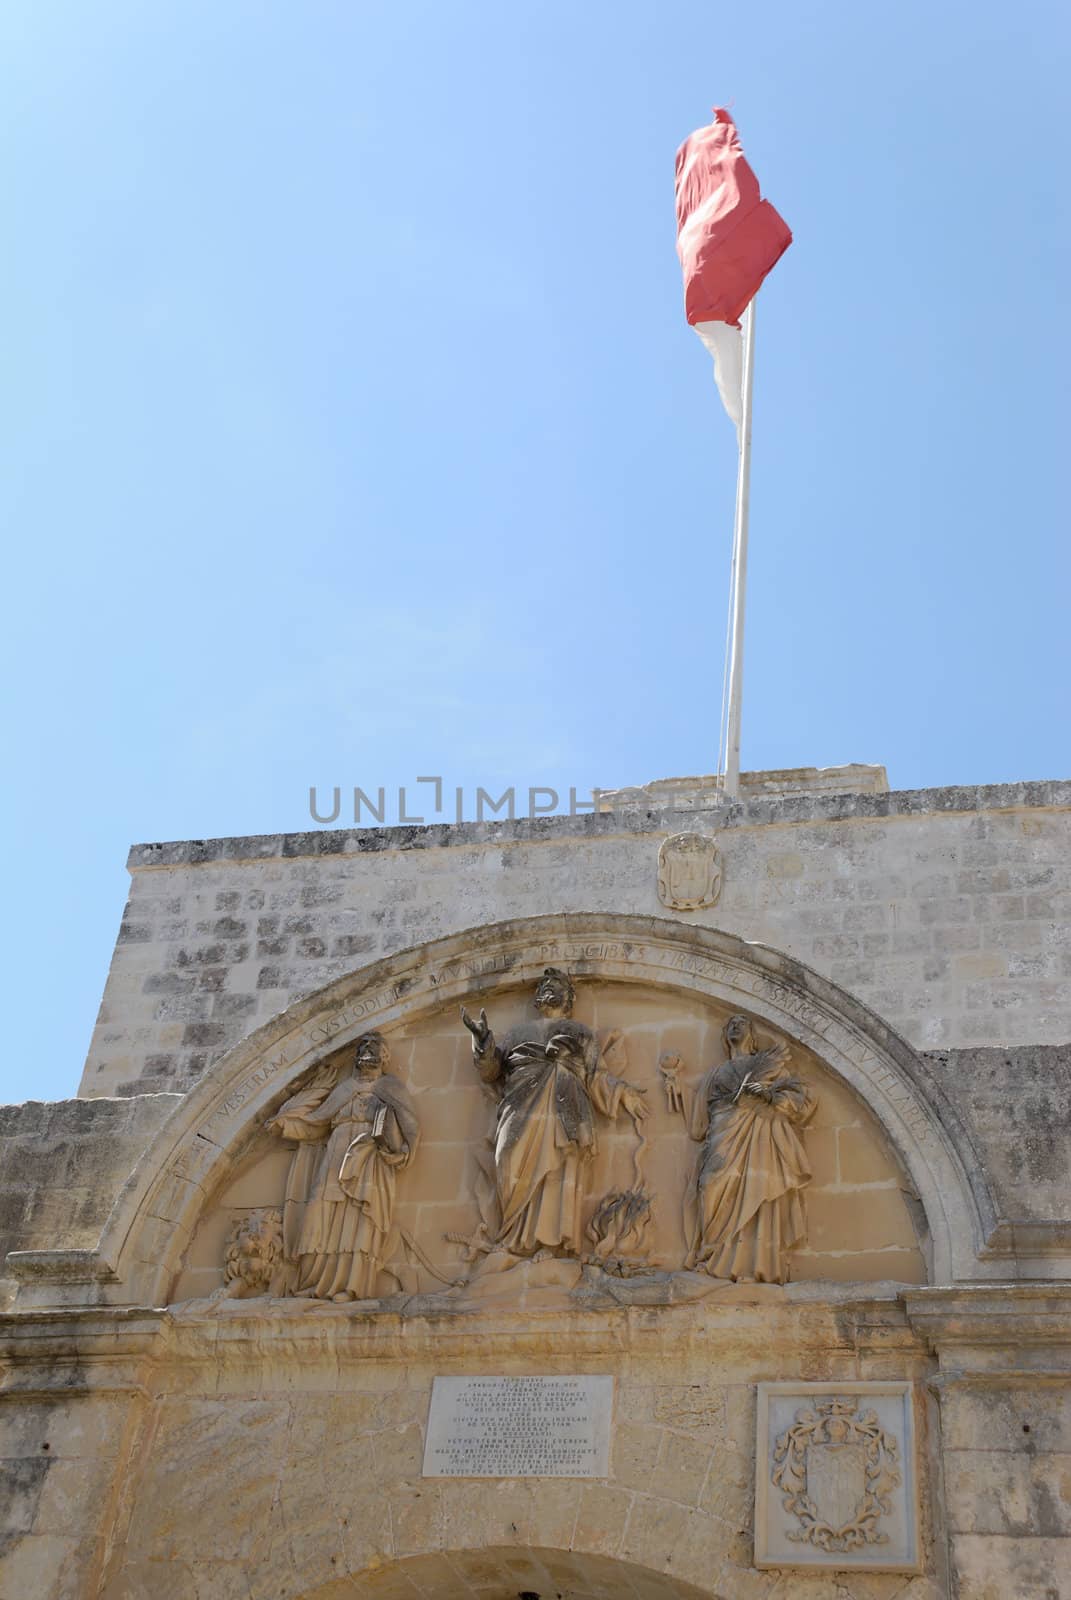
x=944 y=910
x=62 y=1164
x=173 y=1423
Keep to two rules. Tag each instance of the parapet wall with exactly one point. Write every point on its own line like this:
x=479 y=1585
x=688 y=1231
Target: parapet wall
x=940 y=909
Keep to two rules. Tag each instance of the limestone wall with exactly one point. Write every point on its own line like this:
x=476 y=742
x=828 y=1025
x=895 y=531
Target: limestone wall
x=1004 y=1398
x=205 y=1457
x=62 y=1163
x=280 y=1459
x=1007 y=1457
x=940 y=909
x=1017 y=1105
x=272 y=1448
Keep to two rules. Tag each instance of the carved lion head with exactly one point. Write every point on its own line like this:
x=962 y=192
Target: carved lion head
x=254 y=1250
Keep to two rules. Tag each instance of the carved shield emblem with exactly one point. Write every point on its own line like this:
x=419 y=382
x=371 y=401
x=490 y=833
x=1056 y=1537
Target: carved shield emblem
x=837 y=1468
x=689 y=872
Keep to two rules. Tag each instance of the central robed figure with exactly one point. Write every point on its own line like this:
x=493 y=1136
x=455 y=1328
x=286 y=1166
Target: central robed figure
x=551 y=1083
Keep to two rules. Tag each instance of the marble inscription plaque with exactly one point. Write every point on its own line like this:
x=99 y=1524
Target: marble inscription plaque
x=519 y=1427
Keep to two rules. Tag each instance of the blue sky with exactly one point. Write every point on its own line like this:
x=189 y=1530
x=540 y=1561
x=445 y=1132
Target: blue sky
x=351 y=429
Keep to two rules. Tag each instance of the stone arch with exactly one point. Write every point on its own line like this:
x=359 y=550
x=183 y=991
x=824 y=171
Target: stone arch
x=512 y=1573
x=153 y=1219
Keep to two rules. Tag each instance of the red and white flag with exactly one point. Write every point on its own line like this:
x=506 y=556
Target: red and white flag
x=728 y=238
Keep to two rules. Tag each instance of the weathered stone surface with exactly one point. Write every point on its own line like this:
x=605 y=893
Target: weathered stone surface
x=689 y=872
x=935 y=907
x=705 y=792
x=271 y=1449
x=1017 y=1105
x=63 y=1163
x=836 y=1477
x=862 y=1222
x=280 y=1455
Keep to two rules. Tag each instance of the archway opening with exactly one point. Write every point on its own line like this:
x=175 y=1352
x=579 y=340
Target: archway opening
x=512 y=1573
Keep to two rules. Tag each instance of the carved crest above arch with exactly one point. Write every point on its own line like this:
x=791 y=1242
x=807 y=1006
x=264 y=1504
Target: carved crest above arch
x=689 y=872
x=210 y=1133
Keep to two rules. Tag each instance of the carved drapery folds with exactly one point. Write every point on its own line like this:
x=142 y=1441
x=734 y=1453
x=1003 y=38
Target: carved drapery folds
x=353 y=1127
x=551 y=1078
x=552 y=1083
x=573 y=1155
x=352 y=1130
x=666 y=984
x=747 y=1113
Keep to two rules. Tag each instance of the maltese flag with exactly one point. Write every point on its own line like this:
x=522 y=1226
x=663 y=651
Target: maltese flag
x=728 y=238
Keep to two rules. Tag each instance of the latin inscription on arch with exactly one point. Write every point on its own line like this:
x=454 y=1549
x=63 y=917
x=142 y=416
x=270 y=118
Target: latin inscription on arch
x=649 y=957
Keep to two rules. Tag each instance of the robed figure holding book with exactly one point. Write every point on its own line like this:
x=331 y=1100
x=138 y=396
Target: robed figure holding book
x=353 y=1132
x=747 y=1113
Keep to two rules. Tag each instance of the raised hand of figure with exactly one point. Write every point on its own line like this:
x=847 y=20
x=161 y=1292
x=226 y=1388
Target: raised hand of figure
x=669 y=1066
x=480 y=1029
x=760 y=1091
x=635 y=1103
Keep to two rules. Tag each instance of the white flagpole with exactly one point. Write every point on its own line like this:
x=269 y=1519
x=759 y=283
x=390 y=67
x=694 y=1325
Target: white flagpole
x=736 y=649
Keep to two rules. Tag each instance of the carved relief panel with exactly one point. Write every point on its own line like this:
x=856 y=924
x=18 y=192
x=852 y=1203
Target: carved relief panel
x=748 y=1114
x=835 y=1476
x=689 y=872
x=602 y=1142
x=352 y=1127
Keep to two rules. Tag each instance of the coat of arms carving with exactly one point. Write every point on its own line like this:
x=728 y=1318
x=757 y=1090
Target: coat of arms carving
x=689 y=872
x=836 y=1467
x=836 y=1480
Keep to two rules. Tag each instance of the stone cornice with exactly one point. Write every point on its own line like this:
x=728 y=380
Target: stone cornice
x=1005 y=1317
x=746 y=1323
x=58 y=1267
x=763 y=811
x=1028 y=1237
x=53 y=1354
